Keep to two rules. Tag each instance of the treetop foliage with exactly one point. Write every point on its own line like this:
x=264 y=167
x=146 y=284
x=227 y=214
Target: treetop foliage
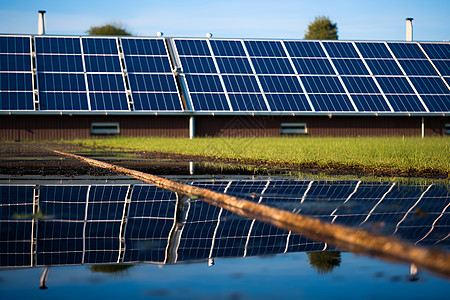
x=108 y=29
x=322 y=29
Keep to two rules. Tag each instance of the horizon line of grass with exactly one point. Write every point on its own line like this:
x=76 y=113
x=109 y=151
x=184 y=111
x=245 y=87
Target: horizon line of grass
x=431 y=153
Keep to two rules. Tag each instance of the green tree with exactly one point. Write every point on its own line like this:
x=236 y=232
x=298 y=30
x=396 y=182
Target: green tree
x=322 y=29
x=109 y=29
x=325 y=261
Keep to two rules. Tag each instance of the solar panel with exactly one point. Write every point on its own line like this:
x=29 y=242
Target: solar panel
x=16 y=73
x=271 y=63
x=105 y=80
x=223 y=75
x=152 y=83
x=60 y=74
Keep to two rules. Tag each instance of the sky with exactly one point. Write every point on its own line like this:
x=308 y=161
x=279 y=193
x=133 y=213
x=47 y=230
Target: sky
x=286 y=19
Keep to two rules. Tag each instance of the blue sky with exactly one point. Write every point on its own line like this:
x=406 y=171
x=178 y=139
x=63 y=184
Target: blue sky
x=356 y=20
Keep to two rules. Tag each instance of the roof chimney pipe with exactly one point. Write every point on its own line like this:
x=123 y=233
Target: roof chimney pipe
x=409 y=29
x=41 y=22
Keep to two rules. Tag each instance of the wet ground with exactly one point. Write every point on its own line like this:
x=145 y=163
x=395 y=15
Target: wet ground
x=18 y=159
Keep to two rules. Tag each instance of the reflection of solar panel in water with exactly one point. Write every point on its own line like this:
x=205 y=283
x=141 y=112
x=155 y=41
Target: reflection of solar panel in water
x=16 y=202
x=84 y=224
x=60 y=239
x=151 y=217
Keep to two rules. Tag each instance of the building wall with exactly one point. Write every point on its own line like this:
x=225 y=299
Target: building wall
x=320 y=126
x=23 y=127
x=34 y=127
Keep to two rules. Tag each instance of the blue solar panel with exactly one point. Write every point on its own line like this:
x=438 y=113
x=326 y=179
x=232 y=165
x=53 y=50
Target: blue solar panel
x=63 y=101
x=152 y=83
x=227 y=48
x=16 y=78
x=15 y=44
x=156 y=101
x=322 y=84
x=16 y=82
x=203 y=65
x=436 y=50
x=247 y=102
x=330 y=102
x=404 y=103
x=234 y=65
x=362 y=85
x=60 y=63
x=108 y=101
x=341 y=49
x=373 y=50
x=104 y=64
x=304 y=49
x=142 y=46
x=350 y=67
x=395 y=85
x=237 y=83
x=99 y=45
x=437 y=103
x=106 y=82
x=204 y=83
x=280 y=84
x=265 y=48
x=58 y=45
x=15 y=62
x=148 y=64
x=288 y=102
x=384 y=67
x=192 y=47
x=430 y=85
x=54 y=82
x=272 y=66
x=210 y=102
x=370 y=103
x=313 y=66
x=418 y=67
x=16 y=100
x=406 y=50
x=443 y=66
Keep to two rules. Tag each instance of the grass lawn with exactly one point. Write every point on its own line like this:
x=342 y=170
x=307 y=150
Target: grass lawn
x=383 y=152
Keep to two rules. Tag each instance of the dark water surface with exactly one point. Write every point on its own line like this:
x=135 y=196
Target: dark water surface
x=123 y=240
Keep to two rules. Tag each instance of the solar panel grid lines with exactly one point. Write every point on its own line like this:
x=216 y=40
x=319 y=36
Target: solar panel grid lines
x=275 y=72
x=152 y=83
x=413 y=105
x=16 y=74
x=336 y=52
x=247 y=95
x=105 y=81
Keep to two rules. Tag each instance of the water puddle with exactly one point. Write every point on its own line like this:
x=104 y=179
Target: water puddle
x=115 y=236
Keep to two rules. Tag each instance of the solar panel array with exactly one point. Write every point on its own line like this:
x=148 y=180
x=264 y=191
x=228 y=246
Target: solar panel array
x=86 y=224
x=228 y=76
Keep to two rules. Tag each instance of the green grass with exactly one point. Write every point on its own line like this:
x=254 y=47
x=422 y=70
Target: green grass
x=386 y=152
